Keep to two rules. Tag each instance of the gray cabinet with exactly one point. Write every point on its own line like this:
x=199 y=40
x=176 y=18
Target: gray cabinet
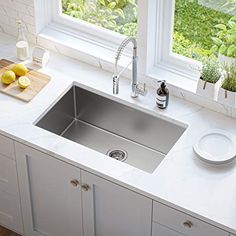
x=57 y=197
x=109 y=209
x=184 y=224
x=160 y=230
x=50 y=194
x=10 y=213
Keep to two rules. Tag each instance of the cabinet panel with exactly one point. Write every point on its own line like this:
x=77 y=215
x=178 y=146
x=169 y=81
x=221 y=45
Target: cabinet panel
x=109 y=209
x=10 y=212
x=183 y=223
x=51 y=203
x=7 y=147
x=8 y=176
x=160 y=230
x=10 y=216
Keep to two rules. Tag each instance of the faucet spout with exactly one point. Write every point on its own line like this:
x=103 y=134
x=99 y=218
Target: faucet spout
x=136 y=89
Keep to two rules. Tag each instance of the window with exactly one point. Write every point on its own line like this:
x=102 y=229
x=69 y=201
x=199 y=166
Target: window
x=198 y=24
x=187 y=30
x=104 y=22
x=117 y=15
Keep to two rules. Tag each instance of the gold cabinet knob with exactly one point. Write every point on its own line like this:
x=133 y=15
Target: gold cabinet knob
x=85 y=187
x=188 y=224
x=74 y=182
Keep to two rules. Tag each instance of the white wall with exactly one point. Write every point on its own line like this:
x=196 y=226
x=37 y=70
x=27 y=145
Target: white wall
x=13 y=10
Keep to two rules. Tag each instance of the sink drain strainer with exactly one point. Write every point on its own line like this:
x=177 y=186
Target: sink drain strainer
x=118 y=154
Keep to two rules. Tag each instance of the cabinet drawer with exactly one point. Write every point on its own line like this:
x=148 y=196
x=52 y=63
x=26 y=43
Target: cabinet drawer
x=183 y=223
x=8 y=176
x=10 y=215
x=160 y=230
x=7 y=147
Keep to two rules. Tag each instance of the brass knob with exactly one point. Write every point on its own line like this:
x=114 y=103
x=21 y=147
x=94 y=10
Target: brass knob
x=188 y=224
x=74 y=182
x=85 y=187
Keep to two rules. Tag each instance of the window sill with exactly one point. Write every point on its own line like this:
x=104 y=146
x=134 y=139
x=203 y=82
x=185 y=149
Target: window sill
x=176 y=80
x=81 y=49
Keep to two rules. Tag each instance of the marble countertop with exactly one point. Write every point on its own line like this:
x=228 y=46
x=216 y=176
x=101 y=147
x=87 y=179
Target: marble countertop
x=181 y=180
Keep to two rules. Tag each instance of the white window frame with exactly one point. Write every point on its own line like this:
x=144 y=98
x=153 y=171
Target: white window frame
x=156 y=54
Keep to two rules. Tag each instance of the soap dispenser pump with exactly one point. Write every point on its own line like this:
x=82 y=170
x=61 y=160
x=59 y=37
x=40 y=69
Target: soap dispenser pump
x=162 y=97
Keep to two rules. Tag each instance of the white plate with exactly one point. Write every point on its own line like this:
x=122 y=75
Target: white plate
x=216 y=146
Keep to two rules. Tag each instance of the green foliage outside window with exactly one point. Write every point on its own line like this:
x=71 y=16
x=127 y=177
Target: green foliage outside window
x=195 y=26
x=117 y=15
x=225 y=38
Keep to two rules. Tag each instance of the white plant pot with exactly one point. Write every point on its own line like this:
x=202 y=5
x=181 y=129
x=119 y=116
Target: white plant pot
x=227 y=97
x=224 y=60
x=208 y=90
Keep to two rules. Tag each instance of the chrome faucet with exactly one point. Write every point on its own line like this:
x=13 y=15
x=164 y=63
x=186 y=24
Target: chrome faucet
x=136 y=88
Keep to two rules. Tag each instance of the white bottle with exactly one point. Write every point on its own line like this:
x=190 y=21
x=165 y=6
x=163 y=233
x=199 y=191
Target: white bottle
x=22 y=45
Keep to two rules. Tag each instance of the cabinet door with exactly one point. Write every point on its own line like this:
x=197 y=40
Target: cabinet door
x=7 y=147
x=184 y=223
x=50 y=194
x=112 y=210
x=159 y=230
x=10 y=215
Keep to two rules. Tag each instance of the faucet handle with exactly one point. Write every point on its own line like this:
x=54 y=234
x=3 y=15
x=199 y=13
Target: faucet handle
x=141 y=89
x=115 y=79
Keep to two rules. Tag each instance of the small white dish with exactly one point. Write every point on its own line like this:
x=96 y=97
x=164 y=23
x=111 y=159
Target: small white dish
x=216 y=146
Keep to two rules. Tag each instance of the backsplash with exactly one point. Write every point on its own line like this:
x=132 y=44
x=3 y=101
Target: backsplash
x=204 y=102
x=13 y=10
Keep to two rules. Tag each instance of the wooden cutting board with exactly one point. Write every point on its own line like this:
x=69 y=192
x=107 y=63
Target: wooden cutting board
x=38 y=82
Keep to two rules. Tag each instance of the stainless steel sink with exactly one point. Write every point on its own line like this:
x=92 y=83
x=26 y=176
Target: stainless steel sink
x=116 y=130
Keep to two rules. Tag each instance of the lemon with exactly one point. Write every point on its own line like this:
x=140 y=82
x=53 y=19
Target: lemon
x=20 y=69
x=24 y=82
x=8 y=77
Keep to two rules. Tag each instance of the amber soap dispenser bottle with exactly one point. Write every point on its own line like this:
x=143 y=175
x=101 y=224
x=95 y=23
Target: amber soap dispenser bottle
x=162 y=97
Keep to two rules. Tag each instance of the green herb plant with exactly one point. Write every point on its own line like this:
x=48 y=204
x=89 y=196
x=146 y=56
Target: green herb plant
x=210 y=71
x=224 y=41
x=229 y=82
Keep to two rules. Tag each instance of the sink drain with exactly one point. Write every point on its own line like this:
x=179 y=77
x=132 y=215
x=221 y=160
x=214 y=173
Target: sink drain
x=118 y=154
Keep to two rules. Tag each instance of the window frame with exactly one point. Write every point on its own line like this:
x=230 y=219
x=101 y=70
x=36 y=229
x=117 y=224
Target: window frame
x=160 y=39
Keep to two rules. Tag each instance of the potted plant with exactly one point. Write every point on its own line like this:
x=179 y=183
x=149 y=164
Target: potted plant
x=224 y=42
x=227 y=91
x=209 y=82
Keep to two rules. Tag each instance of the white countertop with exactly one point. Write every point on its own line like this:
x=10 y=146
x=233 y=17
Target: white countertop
x=181 y=180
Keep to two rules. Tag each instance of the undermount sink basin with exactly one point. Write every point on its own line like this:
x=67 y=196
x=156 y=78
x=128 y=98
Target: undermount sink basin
x=116 y=130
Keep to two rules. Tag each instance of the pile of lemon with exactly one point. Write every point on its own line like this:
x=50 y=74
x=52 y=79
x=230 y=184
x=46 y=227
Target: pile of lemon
x=9 y=76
